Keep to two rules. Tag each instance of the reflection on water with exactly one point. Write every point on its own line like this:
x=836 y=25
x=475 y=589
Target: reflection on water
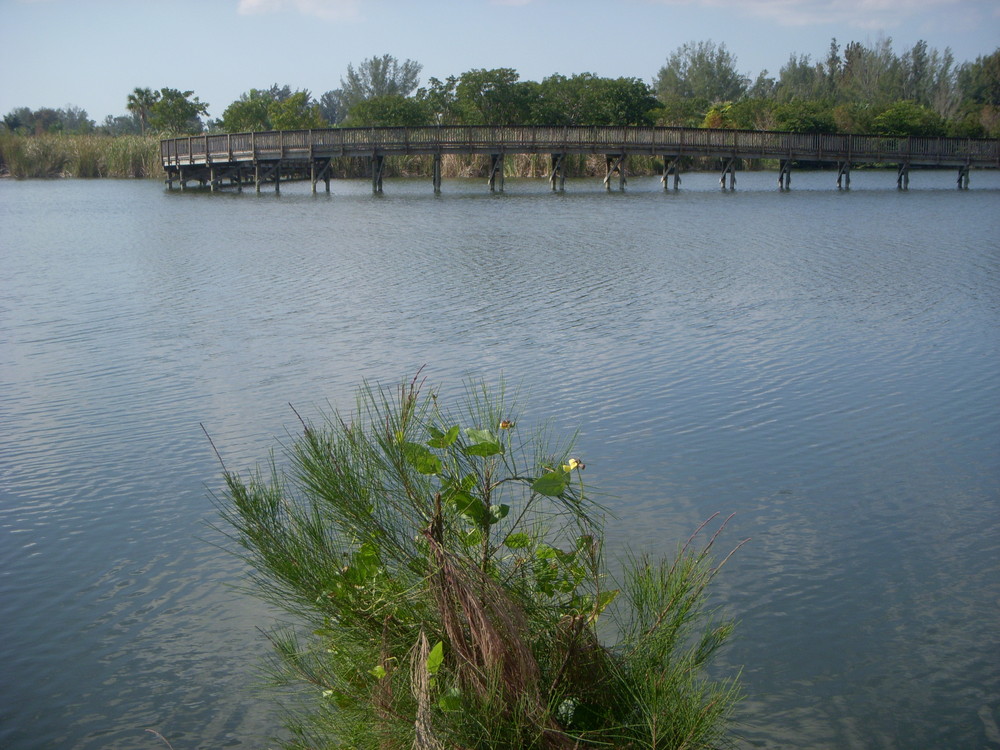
x=822 y=363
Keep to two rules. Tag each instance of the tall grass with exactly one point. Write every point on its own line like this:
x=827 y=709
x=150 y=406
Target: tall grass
x=86 y=156
x=133 y=156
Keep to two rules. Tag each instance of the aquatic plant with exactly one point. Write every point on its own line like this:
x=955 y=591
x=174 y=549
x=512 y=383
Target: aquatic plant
x=56 y=155
x=446 y=570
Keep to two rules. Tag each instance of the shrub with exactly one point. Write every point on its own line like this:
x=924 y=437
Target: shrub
x=448 y=569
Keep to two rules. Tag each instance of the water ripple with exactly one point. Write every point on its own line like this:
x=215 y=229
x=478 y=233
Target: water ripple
x=822 y=363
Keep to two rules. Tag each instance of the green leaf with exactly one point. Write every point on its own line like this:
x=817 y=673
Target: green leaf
x=442 y=439
x=484 y=449
x=603 y=600
x=517 y=541
x=498 y=512
x=552 y=483
x=435 y=658
x=364 y=566
x=378 y=671
x=421 y=459
x=451 y=701
x=469 y=507
x=480 y=436
x=451 y=487
x=545 y=552
x=472 y=538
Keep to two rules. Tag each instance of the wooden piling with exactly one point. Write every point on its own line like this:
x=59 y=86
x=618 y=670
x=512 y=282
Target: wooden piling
x=785 y=175
x=557 y=172
x=496 y=173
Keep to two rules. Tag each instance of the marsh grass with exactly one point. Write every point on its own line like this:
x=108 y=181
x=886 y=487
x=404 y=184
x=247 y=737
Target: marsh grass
x=85 y=156
x=445 y=570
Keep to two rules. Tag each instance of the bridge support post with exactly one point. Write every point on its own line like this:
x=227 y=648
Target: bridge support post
x=615 y=163
x=557 y=174
x=728 y=169
x=319 y=169
x=903 y=176
x=277 y=177
x=436 y=173
x=844 y=175
x=496 y=173
x=378 y=164
x=785 y=175
x=963 y=177
x=671 y=167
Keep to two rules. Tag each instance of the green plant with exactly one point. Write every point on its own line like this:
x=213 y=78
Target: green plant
x=449 y=568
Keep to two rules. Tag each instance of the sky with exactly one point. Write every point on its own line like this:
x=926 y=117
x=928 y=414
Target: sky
x=93 y=53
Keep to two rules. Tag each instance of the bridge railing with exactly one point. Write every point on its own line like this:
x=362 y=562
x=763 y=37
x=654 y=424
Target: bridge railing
x=302 y=144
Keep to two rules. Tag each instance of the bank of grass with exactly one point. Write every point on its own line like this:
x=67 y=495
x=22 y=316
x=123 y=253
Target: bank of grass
x=86 y=156
x=133 y=156
x=515 y=165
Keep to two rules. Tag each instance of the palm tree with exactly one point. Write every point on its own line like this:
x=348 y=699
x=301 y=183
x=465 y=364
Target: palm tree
x=140 y=101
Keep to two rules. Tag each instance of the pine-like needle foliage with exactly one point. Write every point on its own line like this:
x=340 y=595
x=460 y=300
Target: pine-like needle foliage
x=448 y=567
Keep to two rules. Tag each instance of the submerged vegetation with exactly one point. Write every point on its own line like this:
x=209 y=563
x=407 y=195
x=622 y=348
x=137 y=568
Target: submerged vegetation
x=446 y=570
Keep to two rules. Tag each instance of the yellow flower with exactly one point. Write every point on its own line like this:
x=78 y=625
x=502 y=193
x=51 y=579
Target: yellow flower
x=574 y=464
x=506 y=424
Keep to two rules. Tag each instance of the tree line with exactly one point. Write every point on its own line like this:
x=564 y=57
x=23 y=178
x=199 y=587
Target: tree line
x=855 y=88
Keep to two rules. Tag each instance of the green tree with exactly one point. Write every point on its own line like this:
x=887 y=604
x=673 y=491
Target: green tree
x=746 y=114
x=177 y=112
x=140 y=103
x=871 y=75
x=448 y=569
x=76 y=121
x=628 y=101
x=121 y=125
x=378 y=76
x=587 y=99
x=494 y=97
x=248 y=113
x=703 y=71
x=801 y=116
x=979 y=81
x=908 y=118
x=800 y=78
x=389 y=111
x=569 y=101
x=440 y=100
x=276 y=108
x=332 y=107
x=295 y=112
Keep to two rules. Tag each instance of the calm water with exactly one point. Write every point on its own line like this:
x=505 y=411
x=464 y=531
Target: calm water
x=824 y=364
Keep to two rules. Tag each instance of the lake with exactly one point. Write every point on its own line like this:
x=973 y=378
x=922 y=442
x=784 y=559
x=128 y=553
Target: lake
x=824 y=364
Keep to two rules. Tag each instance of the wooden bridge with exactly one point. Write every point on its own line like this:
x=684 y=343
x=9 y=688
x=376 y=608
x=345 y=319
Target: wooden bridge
x=236 y=159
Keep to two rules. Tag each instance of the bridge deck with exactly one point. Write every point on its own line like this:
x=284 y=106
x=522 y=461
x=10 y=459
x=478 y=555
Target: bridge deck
x=302 y=149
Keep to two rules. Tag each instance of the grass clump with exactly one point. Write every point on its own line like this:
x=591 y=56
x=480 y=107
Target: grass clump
x=55 y=155
x=446 y=571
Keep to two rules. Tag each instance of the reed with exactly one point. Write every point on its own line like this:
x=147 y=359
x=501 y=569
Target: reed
x=85 y=156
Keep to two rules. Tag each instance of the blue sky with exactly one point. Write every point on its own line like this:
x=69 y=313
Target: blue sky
x=92 y=53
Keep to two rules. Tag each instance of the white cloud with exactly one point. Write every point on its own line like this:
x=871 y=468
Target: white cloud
x=329 y=10
x=863 y=14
